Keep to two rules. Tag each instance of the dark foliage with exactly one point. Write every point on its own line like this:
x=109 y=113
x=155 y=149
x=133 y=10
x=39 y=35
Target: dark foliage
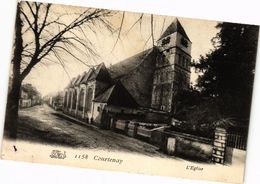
x=228 y=71
x=30 y=89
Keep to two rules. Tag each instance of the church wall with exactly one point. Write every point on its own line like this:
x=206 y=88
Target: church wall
x=97 y=112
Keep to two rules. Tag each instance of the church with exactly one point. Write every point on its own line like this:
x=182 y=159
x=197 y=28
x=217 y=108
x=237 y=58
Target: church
x=140 y=87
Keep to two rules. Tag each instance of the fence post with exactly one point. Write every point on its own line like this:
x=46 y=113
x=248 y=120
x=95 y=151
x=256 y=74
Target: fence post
x=219 y=145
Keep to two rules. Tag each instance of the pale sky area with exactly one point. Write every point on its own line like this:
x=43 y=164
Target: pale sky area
x=53 y=78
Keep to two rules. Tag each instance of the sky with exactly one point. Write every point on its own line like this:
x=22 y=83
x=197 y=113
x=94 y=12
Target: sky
x=51 y=78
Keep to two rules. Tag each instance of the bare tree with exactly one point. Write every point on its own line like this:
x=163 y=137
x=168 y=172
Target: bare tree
x=140 y=21
x=41 y=35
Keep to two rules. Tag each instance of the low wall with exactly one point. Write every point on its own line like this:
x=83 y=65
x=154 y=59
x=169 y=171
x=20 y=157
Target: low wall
x=173 y=143
x=193 y=149
x=188 y=146
x=131 y=130
x=157 y=137
x=229 y=155
x=120 y=125
x=143 y=132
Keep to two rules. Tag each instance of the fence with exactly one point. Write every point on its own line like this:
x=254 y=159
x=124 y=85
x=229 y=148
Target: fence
x=237 y=141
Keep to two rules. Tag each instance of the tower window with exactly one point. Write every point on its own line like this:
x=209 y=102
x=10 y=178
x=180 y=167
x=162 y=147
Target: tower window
x=182 y=61
x=187 y=63
x=184 y=42
x=166 y=41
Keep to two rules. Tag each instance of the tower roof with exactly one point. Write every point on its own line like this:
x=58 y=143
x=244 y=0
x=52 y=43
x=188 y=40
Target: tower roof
x=175 y=26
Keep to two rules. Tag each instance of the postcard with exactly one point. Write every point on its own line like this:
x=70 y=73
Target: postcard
x=133 y=92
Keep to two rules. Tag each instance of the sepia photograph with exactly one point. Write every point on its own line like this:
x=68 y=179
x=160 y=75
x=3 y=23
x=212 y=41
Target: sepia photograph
x=133 y=92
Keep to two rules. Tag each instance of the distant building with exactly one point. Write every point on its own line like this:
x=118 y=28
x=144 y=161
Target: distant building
x=143 y=82
x=56 y=101
x=28 y=97
x=24 y=100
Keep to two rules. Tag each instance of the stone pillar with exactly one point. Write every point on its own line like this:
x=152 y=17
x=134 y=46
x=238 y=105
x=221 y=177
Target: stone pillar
x=71 y=101
x=84 y=103
x=135 y=130
x=126 y=127
x=113 y=123
x=219 y=145
x=65 y=100
x=77 y=101
x=164 y=142
x=171 y=145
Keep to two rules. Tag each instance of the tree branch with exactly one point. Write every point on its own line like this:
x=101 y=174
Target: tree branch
x=152 y=34
x=119 y=33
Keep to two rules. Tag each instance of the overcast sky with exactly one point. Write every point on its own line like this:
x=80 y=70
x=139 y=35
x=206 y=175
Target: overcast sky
x=53 y=78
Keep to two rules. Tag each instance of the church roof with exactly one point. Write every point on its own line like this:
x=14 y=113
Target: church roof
x=126 y=66
x=175 y=26
x=95 y=71
x=128 y=72
x=76 y=80
x=104 y=97
x=136 y=75
x=86 y=76
x=100 y=73
x=117 y=95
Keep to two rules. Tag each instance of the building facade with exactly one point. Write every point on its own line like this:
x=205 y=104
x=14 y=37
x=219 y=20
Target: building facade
x=24 y=101
x=28 y=98
x=145 y=81
x=172 y=66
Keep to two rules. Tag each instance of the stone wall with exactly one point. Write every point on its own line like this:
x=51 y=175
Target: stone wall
x=187 y=146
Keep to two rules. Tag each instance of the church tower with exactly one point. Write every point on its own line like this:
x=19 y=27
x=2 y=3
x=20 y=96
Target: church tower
x=172 y=66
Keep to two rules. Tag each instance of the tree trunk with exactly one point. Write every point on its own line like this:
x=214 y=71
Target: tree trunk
x=12 y=109
x=16 y=80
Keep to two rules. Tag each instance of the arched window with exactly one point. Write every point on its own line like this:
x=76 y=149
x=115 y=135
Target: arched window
x=177 y=59
x=69 y=99
x=74 y=101
x=65 y=99
x=89 y=99
x=81 y=100
x=159 y=96
x=188 y=63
